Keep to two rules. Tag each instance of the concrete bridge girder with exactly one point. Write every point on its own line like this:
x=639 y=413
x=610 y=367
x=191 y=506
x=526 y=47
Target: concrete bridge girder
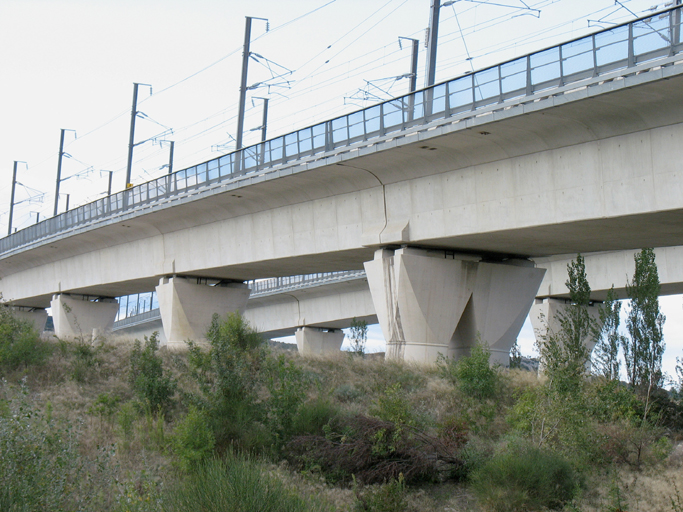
x=429 y=305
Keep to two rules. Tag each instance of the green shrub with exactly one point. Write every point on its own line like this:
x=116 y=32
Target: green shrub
x=523 y=477
x=147 y=377
x=193 y=439
x=236 y=485
x=287 y=384
x=229 y=378
x=86 y=361
x=472 y=375
x=20 y=344
x=393 y=405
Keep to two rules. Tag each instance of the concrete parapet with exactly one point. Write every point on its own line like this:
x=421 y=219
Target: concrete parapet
x=431 y=303
x=312 y=341
x=37 y=316
x=187 y=308
x=75 y=316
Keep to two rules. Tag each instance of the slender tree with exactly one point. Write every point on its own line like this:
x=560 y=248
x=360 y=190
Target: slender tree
x=606 y=354
x=564 y=353
x=644 y=350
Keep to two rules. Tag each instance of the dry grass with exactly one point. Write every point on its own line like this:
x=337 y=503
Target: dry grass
x=352 y=383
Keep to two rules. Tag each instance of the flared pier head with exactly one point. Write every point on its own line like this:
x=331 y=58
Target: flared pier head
x=435 y=302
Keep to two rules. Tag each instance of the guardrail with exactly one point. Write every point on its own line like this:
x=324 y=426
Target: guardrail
x=624 y=46
x=140 y=307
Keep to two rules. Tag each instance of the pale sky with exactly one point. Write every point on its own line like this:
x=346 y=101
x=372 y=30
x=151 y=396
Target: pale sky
x=72 y=63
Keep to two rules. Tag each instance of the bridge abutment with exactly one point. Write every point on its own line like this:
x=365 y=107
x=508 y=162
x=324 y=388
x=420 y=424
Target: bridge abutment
x=431 y=303
x=186 y=308
x=75 y=316
x=312 y=341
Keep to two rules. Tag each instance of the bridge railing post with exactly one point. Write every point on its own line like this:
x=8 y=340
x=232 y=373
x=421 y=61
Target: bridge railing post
x=529 y=87
x=631 y=57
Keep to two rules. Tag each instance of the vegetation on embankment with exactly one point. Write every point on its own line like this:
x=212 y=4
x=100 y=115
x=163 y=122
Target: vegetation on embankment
x=236 y=426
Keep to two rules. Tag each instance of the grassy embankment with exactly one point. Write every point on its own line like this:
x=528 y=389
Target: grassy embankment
x=234 y=426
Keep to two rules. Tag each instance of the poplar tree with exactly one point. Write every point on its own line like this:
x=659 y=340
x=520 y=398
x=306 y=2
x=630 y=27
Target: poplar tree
x=606 y=360
x=564 y=353
x=644 y=350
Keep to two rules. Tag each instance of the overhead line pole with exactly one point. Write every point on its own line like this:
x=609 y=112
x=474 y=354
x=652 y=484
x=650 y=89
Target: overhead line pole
x=59 y=171
x=170 y=157
x=131 y=138
x=432 y=40
x=59 y=167
x=243 y=83
x=413 y=66
x=11 y=201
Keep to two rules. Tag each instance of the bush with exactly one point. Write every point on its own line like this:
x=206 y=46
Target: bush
x=228 y=376
x=472 y=375
x=86 y=362
x=236 y=485
x=193 y=439
x=20 y=344
x=40 y=465
x=523 y=477
x=287 y=384
x=147 y=377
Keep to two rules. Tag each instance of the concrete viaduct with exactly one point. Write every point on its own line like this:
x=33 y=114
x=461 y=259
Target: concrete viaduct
x=447 y=197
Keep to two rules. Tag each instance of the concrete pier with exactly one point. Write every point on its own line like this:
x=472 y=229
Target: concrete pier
x=187 y=308
x=430 y=302
x=76 y=316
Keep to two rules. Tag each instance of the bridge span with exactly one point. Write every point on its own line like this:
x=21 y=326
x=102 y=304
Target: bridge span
x=445 y=196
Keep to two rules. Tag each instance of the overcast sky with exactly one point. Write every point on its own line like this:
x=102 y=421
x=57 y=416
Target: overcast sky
x=72 y=63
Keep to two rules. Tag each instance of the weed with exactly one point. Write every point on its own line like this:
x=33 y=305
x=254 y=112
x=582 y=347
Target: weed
x=388 y=497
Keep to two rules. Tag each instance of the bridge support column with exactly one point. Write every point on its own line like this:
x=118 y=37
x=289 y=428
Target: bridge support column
x=428 y=303
x=187 y=308
x=316 y=342
x=37 y=316
x=501 y=299
x=546 y=314
x=80 y=317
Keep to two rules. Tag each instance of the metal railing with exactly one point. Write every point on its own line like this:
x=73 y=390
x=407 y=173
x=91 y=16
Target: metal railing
x=140 y=307
x=657 y=36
